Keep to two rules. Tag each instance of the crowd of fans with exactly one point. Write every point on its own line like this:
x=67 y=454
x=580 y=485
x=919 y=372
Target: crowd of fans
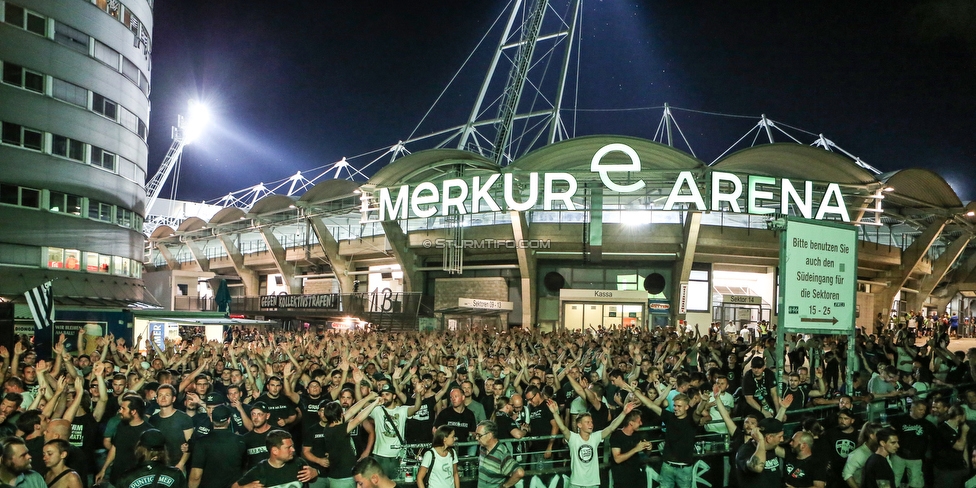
x=337 y=409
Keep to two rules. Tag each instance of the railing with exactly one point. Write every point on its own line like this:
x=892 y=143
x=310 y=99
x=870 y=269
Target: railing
x=709 y=447
x=194 y=303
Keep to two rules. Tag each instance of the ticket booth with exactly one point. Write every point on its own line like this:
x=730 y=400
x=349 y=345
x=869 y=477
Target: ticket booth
x=609 y=309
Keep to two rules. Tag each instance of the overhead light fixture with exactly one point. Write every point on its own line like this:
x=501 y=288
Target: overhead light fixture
x=196 y=121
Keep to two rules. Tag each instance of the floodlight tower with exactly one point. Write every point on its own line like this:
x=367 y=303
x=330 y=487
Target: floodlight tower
x=523 y=120
x=186 y=131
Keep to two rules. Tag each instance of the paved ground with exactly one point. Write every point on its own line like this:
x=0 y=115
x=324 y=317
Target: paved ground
x=961 y=344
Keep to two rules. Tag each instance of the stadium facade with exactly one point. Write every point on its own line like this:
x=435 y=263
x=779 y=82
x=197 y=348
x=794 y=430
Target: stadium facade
x=593 y=231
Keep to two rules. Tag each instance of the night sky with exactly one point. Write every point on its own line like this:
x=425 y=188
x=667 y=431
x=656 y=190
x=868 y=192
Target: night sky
x=299 y=85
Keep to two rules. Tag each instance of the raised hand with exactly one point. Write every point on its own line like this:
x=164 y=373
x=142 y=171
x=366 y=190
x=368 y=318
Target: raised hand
x=786 y=401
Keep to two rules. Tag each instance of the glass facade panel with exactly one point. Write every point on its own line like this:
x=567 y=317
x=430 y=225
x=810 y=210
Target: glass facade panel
x=107 y=55
x=130 y=70
x=68 y=92
x=71 y=37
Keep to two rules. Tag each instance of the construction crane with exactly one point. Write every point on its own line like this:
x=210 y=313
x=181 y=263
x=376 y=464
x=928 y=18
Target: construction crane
x=186 y=131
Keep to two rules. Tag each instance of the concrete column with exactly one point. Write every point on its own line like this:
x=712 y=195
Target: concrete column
x=527 y=269
x=167 y=255
x=201 y=258
x=340 y=265
x=248 y=276
x=406 y=258
x=280 y=257
x=910 y=258
x=939 y=269
x=682 y=265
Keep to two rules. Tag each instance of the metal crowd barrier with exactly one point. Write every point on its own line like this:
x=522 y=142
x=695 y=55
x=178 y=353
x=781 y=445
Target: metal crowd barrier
x=707 y=444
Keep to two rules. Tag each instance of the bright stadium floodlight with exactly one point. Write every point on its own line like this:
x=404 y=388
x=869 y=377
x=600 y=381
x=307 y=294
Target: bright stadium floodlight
x=196 y=121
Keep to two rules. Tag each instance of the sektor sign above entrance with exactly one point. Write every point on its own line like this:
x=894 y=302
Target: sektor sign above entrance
x=556 y=190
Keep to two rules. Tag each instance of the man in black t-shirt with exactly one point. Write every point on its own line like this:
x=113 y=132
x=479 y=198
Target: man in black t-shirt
x=457 y=416
x=282 y=468
x=759 y=463
x=121 y=456
x=283 y=411
x=541 y=423
x=679 y=442
x=218 y=457
x=802 y=469
x=256 y=440
x=627 y=448
x=877 y=470
x=948 y=447
x=733 y=372
x=917 y=432
x=421 y=424
x=759 y=389
x=841 y=441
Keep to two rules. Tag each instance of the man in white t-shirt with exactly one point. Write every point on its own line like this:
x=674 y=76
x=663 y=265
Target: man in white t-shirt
x=716 y=424
x=585 y=463
x=391 y=423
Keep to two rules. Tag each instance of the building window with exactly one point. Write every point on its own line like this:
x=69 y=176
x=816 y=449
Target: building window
x=104 y=106
x=55 y=201
x=30 y=197
x=24 y=197
x=99 y=211
x=123 y=217
x=102 y=158
x=144 y=83
x=25 y=19
x=121 y=266
x=71 y=37
x=72 y=259
x=73 y=205
x=55 y=257
x=107 y=55
x=69 y=92
x=64 y=203
x=130 y=70
x=22 y=136
x=9 y=194
x=69 y=148
x=18 y=76
x=129 y=120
